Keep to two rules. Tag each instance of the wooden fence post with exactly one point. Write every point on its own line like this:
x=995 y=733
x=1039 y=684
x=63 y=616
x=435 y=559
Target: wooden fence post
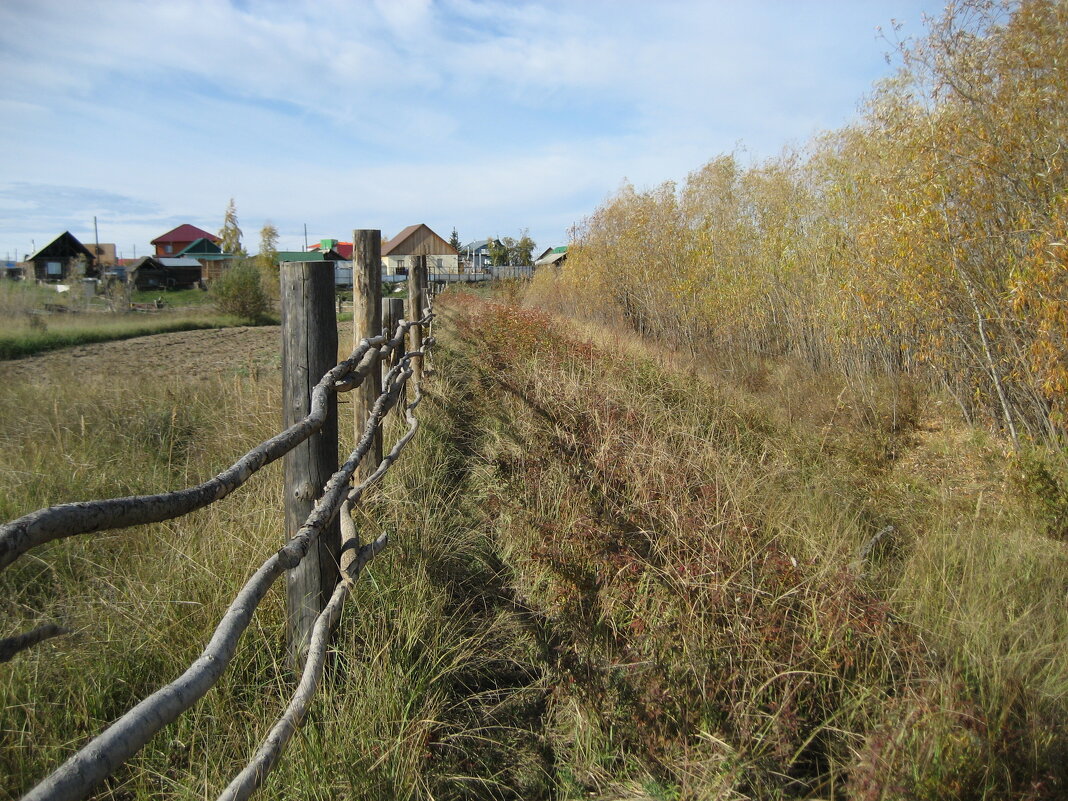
x=416 y=304
x=367 y=322
x=309 y=350
x=392 y=314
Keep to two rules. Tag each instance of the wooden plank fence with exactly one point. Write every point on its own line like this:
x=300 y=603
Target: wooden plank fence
x=322 y=555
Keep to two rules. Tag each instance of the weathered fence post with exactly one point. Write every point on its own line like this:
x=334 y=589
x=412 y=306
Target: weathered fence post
x=309 y=349
x=367 y=322
x=416 y=304
x=392 y=314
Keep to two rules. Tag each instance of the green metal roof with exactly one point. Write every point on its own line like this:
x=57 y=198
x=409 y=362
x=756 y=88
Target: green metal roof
x=300 y=255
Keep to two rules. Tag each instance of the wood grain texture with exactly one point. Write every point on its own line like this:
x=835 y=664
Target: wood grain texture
x=367 y=322
x=309 y=349
x=417 y=301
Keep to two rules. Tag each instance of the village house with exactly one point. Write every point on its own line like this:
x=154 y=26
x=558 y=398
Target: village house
x=419 y=240
x=476 y=255
x=342 y=249
x=104 y=254
x=552 y=257
x=56 y=260
x=178 y=239
x=151 y=272
x=210 y=255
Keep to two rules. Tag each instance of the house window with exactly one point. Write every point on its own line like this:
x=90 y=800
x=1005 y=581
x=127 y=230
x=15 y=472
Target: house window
x=400 y=266
x=439 y=261
x=168 y=248
x=54 y=268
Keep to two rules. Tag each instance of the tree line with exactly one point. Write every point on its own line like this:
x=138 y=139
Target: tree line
x=930 y=235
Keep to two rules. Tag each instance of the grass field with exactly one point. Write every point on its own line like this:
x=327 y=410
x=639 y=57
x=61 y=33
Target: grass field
x=609 y=577
x=36 y=319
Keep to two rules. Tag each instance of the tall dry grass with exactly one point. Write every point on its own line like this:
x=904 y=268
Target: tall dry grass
x=607 y=578
x=416 y=702
x=693 y=548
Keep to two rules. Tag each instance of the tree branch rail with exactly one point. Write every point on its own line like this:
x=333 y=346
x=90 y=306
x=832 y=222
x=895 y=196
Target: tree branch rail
x=105 y=753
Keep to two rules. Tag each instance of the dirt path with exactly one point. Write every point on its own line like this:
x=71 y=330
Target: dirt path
x=196 y=354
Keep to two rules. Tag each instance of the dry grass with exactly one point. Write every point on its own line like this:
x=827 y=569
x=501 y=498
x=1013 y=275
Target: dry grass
x=606 y=579
x=692 y=545
x=414 y=704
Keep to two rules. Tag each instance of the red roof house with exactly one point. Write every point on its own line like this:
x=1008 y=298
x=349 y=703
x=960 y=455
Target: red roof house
x=178 y=239
x=343 y=249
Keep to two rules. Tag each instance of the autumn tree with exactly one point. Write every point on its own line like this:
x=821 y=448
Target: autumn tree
x=521 y=250
x=498 y=252
x=230 y=233
x=926 y=237
x=267 y=259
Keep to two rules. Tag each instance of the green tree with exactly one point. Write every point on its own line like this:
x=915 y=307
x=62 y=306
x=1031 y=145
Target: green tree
x=454 y=240
x=239 y=291
x=498 y=252
x=230 y=233
x=521 y=251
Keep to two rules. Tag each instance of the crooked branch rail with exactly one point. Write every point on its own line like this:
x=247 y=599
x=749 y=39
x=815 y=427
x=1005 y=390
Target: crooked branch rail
x=103 y=755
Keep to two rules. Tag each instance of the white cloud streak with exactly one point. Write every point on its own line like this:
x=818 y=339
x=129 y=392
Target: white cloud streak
x=484 y=114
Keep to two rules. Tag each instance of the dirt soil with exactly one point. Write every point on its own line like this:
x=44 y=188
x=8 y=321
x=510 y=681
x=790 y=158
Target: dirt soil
x=194 y=354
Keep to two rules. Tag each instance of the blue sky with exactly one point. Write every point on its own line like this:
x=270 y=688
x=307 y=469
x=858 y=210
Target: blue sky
x=483 y=115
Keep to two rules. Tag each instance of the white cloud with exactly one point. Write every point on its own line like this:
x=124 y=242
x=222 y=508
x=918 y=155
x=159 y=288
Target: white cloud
x=474 y=111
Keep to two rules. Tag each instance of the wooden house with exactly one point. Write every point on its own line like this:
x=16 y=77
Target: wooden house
x=552 y=257
x=210 y=255
x=55 y=261
x=104 y=254
x=150 y=272
x=419 y=240
x=178 y=239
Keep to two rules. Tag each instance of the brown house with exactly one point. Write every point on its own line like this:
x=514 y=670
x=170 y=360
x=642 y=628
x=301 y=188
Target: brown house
x=150 y=272
x=55 y=260
x=418 y=240
x=104 y=254
x=178 y=239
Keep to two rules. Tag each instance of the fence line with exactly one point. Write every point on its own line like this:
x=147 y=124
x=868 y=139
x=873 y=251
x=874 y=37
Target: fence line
x=85 y=517
x=353 y=558
x=106 y=752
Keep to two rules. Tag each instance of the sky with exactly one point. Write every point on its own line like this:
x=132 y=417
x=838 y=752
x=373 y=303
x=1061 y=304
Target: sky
x=485 y=116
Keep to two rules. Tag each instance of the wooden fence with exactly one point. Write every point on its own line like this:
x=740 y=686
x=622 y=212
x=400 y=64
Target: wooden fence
x=322 y=553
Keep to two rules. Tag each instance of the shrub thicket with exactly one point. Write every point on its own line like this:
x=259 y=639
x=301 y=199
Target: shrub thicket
x=929 y=236
x=239 y=291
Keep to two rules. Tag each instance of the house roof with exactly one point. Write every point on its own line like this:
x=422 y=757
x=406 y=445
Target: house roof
x=201 y=246
x=204 y=250
x=302 y=255
x=343 y=249
x=553 y=256
x=180 y=261
x=412 y=230
x=184 y=233
x=480 y=245
x=151 y=262
x=64 y=246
